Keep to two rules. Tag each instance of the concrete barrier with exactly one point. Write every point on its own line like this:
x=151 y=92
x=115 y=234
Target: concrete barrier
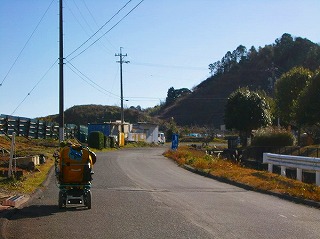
x=15 y=201
x=289 y=161
x=28 y=162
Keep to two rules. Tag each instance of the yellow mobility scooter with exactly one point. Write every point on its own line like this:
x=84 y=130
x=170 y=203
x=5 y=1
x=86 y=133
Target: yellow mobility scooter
x=74 y=169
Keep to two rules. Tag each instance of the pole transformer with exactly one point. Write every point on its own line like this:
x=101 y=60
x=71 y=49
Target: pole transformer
x=121 y=61
x=61 y=100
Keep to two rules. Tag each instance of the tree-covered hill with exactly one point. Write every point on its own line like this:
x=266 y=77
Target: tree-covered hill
x=256 y=69
x=84 y=114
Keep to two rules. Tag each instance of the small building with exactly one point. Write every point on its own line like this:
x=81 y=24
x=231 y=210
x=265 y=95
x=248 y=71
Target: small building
x=136 y=137
x=141 y=131
x=150 y=130
x=110 y=128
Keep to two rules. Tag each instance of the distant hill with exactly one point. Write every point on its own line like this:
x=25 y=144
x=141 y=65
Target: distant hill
x=84 y=114
x=254 y=68
x=204 y=106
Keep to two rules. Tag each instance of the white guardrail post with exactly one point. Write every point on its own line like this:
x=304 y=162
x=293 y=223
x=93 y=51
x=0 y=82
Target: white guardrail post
x=298 y=162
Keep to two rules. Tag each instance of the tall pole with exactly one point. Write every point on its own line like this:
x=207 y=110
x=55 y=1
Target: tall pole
x=273 y=71
x=61 y=100
x=121 y=61
x=13 y=143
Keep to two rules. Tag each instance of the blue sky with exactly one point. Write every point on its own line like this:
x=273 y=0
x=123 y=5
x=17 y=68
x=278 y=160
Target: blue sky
x=169 y=43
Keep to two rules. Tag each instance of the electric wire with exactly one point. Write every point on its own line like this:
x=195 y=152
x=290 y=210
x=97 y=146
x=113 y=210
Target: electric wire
x=25 y=45
x=84 y=19
x=98 y=30
x=79 y=73
x=117 y=23
x=29 y=93
x=144 y=98
x=169 y=66
x=96 y=23
x=90 y=13
x=93 y=84
x=77 y=20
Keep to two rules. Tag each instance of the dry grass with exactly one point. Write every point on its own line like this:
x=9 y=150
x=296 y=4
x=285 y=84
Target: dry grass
x=196 y=158
x=26 y=146
x=31 y=180
x=261 y=180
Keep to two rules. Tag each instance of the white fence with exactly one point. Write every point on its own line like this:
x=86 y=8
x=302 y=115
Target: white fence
x=298 y=162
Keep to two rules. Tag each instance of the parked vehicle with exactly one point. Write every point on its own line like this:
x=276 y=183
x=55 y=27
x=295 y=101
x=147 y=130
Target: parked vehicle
x=161 y=138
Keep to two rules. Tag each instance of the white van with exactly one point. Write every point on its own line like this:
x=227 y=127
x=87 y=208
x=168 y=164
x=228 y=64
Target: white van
x=161 y=138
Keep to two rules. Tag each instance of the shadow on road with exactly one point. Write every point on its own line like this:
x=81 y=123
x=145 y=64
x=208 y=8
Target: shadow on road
x=38 y=211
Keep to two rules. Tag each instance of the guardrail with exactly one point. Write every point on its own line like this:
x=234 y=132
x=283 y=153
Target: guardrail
x=298 y=162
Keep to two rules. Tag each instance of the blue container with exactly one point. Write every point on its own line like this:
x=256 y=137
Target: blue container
x=104 y=128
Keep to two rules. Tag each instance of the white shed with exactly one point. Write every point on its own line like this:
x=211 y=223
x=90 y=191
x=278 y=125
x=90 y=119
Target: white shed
x=150 y=130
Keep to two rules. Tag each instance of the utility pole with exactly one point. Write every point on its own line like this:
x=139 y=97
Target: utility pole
x=273 y=72
x=61 y=111
x=121 y=61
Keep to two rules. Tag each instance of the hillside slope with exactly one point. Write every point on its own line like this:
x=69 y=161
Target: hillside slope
x=84 y=114
x=257 y=69
x=241 y=68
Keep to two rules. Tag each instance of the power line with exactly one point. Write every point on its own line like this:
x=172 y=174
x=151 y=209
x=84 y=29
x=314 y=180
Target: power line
x=104 y=33
x=85 y=20
x=29 y=93
x=169 y=66
x=96 y=23
x=78 y=74
x=97 y=31
x=144 y=99
x=75 y=17
x=93 y=84
x=90 y=13
x=15 y=61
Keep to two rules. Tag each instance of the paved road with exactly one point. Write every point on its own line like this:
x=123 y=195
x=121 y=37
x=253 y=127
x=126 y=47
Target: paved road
x=137 y=193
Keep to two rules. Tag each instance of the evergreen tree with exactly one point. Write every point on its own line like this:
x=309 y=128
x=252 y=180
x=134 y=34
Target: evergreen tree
x=247 y=110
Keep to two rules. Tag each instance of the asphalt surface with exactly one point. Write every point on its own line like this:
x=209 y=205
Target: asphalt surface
x=137 y=193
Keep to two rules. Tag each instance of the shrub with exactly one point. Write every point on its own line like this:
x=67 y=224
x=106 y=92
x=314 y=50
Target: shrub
x=96 y=140
x=272 y=136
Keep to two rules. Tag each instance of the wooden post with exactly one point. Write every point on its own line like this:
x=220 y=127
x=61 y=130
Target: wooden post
x=11 y=155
